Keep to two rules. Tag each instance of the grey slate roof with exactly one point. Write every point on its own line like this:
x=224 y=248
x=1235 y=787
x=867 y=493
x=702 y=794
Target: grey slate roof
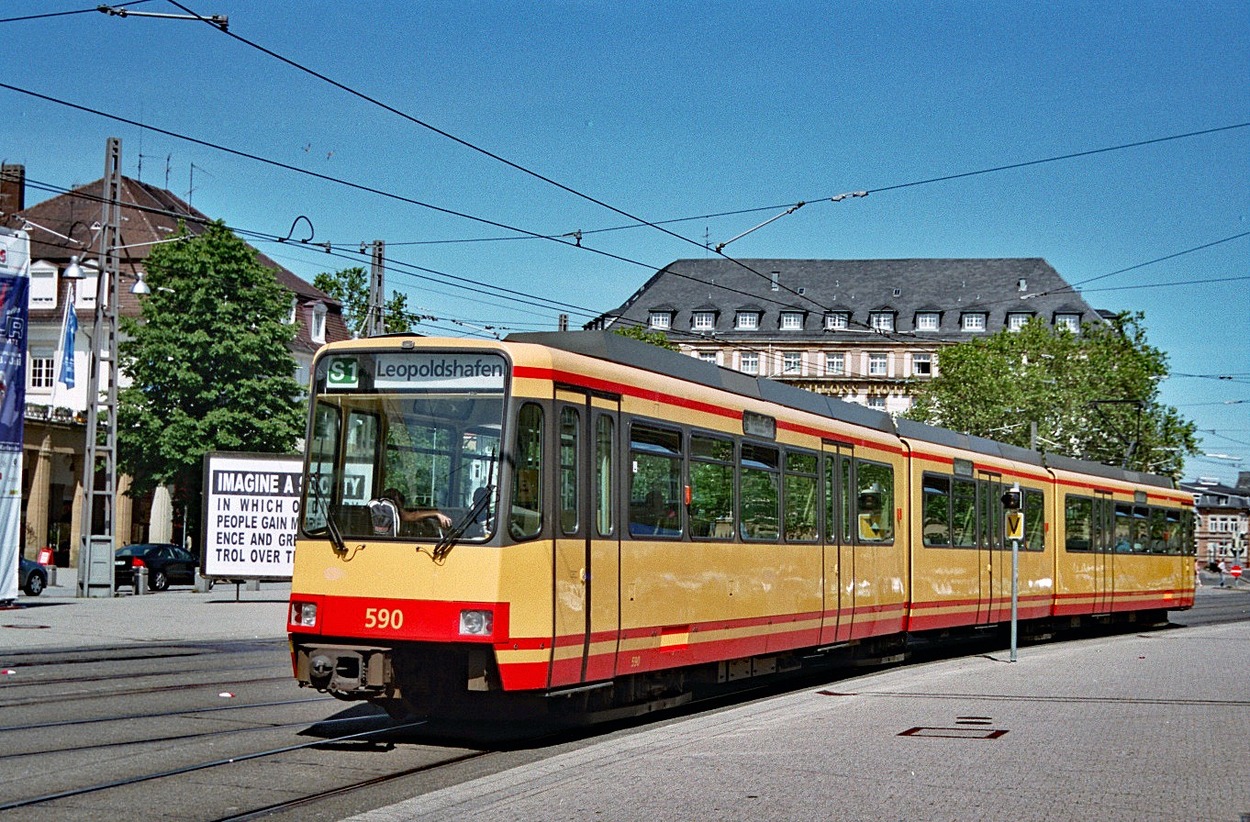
x=952 y=287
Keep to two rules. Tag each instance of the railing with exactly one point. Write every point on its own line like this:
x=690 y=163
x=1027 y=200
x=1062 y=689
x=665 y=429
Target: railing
x=48 y=413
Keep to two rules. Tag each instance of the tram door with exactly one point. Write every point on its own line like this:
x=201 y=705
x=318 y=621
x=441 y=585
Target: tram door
x=1102 y=541
x=994 y=600
x=586 y=550
x=839 y=547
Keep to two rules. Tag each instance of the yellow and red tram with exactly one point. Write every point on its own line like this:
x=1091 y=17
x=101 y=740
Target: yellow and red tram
x=629 y=524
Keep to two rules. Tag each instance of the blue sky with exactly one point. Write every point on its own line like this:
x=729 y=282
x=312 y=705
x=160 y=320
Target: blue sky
x=676 y=110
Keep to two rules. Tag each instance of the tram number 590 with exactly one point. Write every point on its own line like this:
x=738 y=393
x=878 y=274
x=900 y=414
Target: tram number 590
x=384 y=618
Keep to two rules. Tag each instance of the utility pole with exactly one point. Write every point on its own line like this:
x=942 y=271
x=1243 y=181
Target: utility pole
x=98 y=545
x=375 y=319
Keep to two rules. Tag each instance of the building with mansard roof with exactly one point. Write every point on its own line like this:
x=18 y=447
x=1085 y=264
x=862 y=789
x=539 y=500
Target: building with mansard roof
x=66 y=228
x=860 y=330
x=1222 y=530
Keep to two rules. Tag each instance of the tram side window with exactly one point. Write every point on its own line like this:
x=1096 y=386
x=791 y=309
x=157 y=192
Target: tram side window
x=874 y=502
x=1078 y=523
x=1188 y=544
x=801 y=498
x=1141 y=529
x=1123 y=529
x=1158 y=531
x=526 y=519
x=604 y=435
x=936 y=510
x=711 y=487
x=1034 y=521
x=964 y=513
x=655 y=489
x=569 y=462
x=760 y=487
x=1174 y=533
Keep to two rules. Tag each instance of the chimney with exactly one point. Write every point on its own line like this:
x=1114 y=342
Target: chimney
x=12 y=188
x=1243 y=480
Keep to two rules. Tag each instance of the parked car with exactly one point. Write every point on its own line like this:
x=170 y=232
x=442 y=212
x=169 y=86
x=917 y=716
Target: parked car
x=31 y=577
x=166 y=563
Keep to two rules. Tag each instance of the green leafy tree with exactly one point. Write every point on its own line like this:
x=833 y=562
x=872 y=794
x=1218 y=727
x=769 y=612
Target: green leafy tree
x=209 y=365
x=637 y=332
x=1093 y=395
x=350 y=286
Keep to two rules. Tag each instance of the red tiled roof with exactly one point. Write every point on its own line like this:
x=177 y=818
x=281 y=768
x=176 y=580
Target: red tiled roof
x=148 y=215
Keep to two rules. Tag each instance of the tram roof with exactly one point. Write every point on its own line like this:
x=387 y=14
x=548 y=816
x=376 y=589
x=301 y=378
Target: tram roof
x=613 y=347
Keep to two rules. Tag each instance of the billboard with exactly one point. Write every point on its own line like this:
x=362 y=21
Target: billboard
x=251 y=513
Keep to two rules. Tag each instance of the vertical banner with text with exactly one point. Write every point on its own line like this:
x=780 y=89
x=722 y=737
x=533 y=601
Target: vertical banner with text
x=14 y=302
x=251 y=513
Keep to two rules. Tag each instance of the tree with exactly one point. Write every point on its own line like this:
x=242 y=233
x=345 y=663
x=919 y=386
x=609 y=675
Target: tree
x=351 y=287
x=209 y=365
x=637 y=332
x=1093 y=395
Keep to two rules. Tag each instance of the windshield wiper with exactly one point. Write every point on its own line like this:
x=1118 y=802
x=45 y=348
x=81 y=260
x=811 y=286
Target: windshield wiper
x=453 y=535
x=331 y=526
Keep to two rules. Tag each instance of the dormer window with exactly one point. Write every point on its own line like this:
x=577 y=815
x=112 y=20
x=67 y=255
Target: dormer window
x=660 y=320
x=928 y=321
x=973 y=321
x=42 y=285
x=1072 y=322
x=791 y=320
x=882 y=321
x=1018 y=320
x=703 y=320
x=317 y=329
x=747 y=320
x=837 y=321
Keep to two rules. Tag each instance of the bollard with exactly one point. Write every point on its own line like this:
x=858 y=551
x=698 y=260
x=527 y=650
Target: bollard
x=141 y=581
x=202 y=584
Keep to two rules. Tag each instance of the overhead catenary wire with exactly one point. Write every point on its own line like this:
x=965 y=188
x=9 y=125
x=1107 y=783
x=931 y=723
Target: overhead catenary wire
x=578 y=244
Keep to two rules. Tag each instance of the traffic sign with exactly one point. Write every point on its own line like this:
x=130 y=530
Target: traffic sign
x=1015 y=525
x=1235 y=571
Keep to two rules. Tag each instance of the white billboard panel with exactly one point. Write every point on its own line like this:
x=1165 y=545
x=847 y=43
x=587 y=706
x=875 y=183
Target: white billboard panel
x=251 y=513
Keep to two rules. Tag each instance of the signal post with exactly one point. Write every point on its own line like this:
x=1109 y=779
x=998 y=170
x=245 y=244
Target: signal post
x=1013 y=503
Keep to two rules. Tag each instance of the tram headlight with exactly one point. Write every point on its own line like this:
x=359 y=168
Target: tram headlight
x=477 y=622
x=304 y=614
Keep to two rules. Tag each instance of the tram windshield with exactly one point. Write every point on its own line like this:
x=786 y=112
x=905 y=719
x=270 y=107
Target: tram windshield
x=405 y=445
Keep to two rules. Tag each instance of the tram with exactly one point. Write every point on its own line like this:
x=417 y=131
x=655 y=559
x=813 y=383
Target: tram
x=583 y=523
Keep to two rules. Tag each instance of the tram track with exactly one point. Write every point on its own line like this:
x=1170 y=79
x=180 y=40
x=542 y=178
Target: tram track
x=96 y=788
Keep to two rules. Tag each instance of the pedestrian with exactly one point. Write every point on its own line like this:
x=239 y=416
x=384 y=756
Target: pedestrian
x=1223 y=569
x=1197 y=573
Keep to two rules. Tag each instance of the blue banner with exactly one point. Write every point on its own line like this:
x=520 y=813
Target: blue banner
x=13 y=311
x=14 y=293
x=69 y=330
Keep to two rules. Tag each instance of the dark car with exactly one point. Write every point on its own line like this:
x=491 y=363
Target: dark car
x=166 y=563
x=31 y=577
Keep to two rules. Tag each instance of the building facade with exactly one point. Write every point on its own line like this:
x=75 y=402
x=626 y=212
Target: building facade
x=1222 y=527
x=860 y=330
x=65 y=229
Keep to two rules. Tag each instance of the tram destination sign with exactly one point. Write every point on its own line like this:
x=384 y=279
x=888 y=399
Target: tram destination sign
x=422 y=371
x=251 y=512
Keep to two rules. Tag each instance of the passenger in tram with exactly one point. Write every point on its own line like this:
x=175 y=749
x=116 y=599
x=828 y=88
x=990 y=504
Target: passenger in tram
x=405 y=515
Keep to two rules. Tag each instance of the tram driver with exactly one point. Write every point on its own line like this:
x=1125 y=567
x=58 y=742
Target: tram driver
x=382 y=512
